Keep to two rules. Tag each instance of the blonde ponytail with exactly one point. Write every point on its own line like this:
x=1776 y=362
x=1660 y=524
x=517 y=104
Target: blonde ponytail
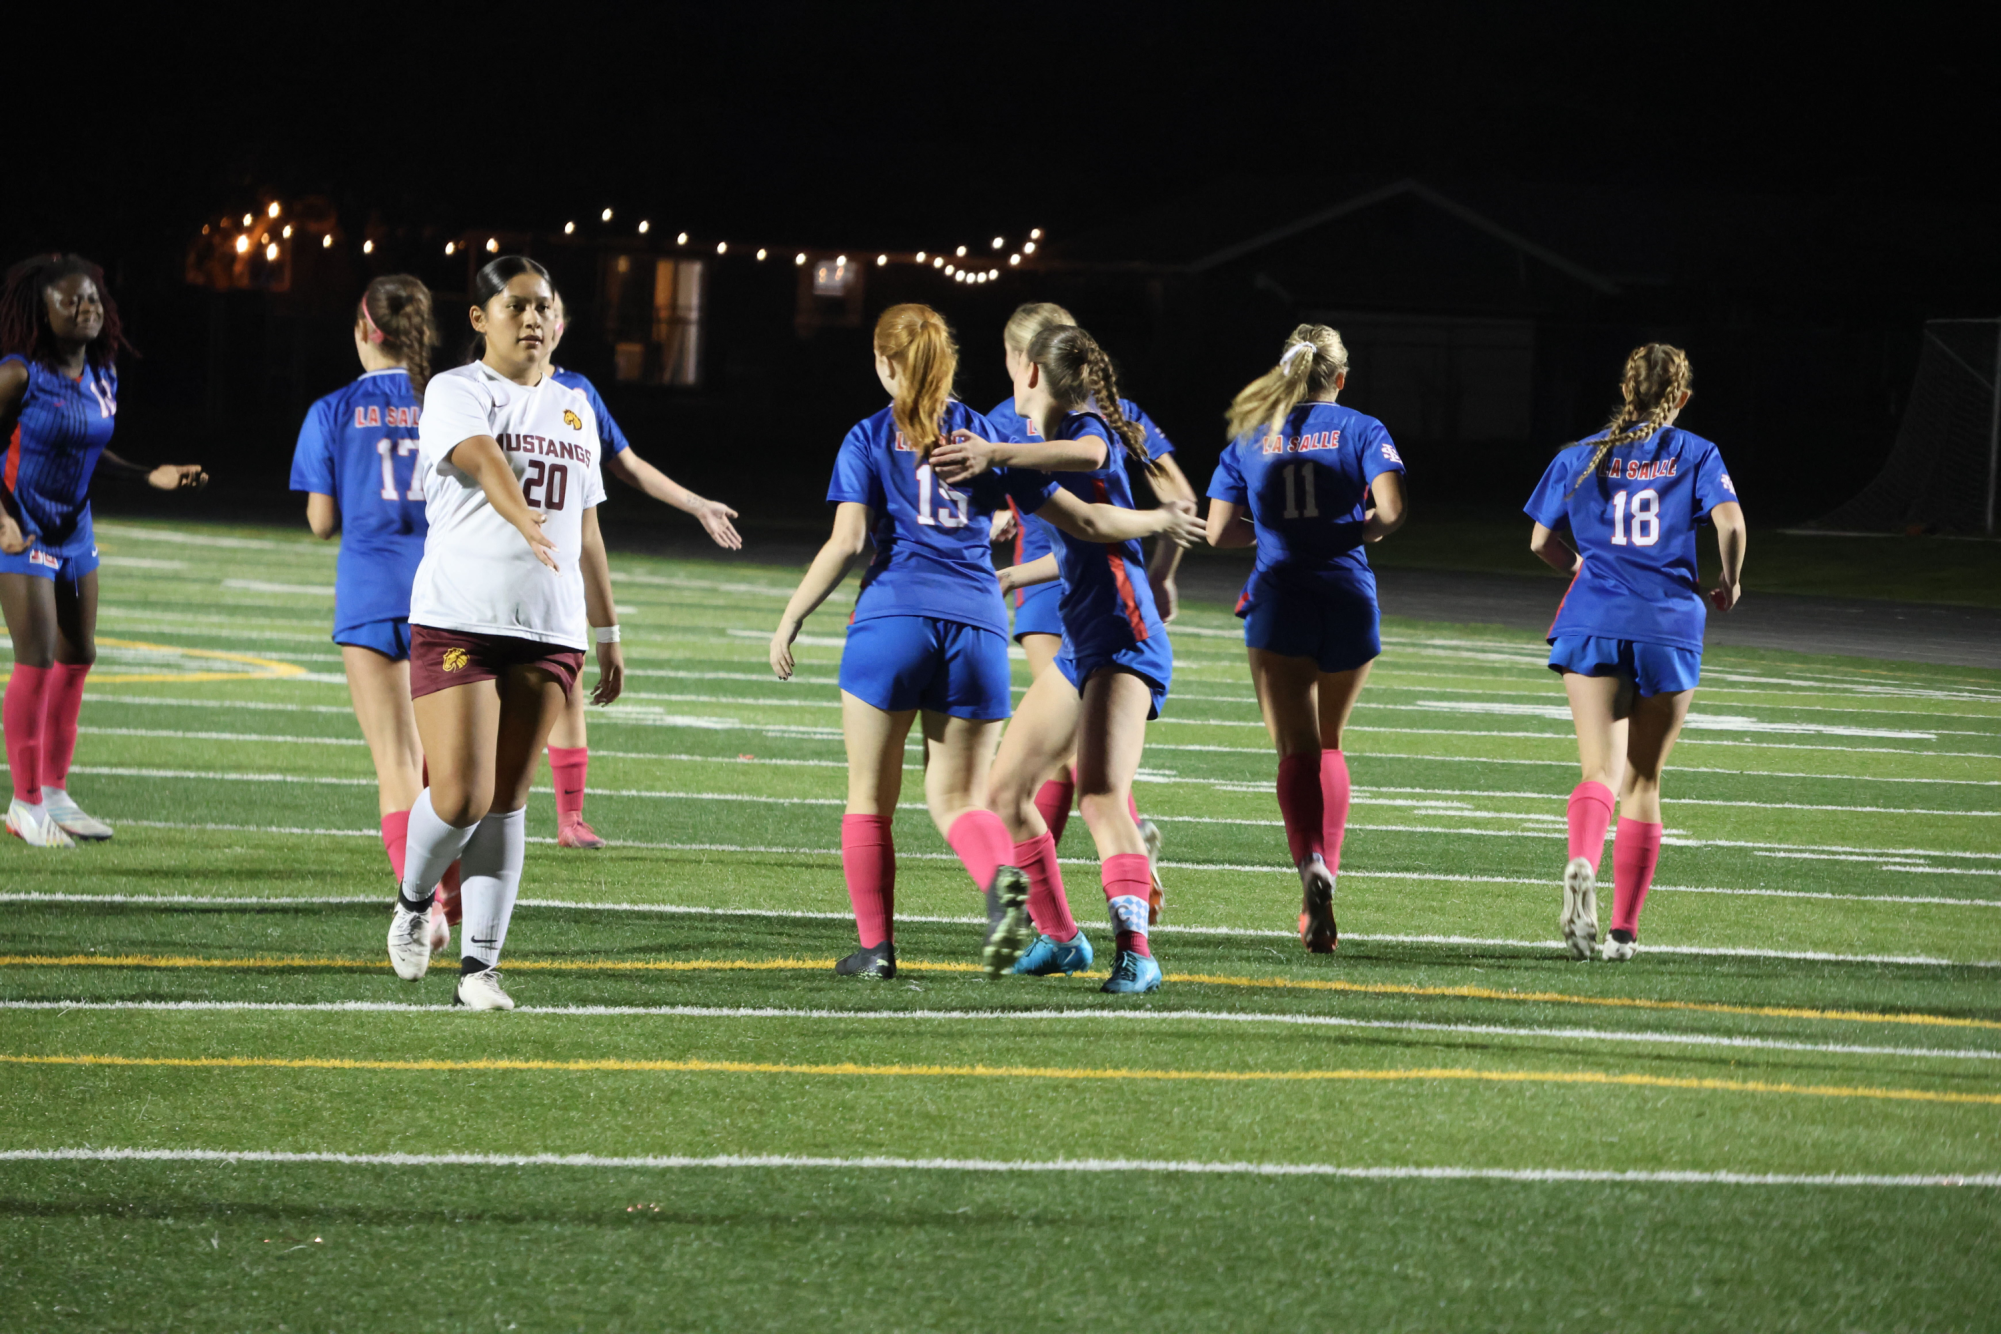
x=1313 y=360
x=916 y=340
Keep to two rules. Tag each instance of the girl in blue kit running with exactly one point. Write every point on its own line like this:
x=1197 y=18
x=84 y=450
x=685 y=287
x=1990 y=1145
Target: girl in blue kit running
x=929 y=632
x=1298 y=480
x=356 y=460
x=59 y=340
x=1628 y=635
x=1114 y=668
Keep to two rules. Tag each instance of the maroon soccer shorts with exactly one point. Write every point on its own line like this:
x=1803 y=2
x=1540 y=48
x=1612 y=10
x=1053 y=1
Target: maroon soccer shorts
x=441 y=659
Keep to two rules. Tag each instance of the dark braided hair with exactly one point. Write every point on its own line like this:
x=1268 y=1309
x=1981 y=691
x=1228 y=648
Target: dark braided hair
x=24 y=312
x=1655 y=378
x=1079 y=372
x=399 y=307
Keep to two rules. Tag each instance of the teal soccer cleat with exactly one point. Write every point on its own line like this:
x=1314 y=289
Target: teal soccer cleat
x=1132 y=975
x=1049 y=955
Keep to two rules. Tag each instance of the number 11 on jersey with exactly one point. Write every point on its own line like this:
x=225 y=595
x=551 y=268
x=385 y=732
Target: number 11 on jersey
x=1298 y=477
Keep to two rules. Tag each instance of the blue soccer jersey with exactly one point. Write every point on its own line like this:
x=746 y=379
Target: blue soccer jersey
x=1306 y=487
x=1107 y=602
x=1034 y=537
x=609 y=435
x=359 y=445
x=1634 y=522
x=63 y=427
x=933 y=547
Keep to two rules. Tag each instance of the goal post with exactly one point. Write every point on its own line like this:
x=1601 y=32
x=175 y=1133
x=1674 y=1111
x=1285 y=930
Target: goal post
x=1944 y=471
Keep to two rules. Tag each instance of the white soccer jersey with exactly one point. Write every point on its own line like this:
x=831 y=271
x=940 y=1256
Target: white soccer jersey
x=478 y=574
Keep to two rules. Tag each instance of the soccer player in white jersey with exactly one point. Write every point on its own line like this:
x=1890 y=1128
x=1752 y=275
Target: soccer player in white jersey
x=512 y=587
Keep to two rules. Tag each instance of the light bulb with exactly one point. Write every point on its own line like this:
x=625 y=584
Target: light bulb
x=920 y=257
x=948 y=268
x=881 y=260
x=644 y=226
x=242 y=244
x=1035 y=233
x=998 y=243
x=760 y=252
x=799 y=258
x=287 y=233
x=960 y=252
x=448 y=247
x=605 y=216
x=326 y=242
x=1014 y=259
x=936 y=260
x=247 y=217
x=722 y=247
x=569 y=229
x=1028 y=249
x=271 y=251
x=841 y=263
x=273 y=210
x=368 y=247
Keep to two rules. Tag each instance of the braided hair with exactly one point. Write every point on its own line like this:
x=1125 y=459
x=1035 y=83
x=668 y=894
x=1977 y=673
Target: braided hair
x=397 y=310
x=1655 y=378
x=1080 y=372
x=24 y=312
x=1313 y=360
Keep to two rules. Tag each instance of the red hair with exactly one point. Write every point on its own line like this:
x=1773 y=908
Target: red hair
x=24 y=312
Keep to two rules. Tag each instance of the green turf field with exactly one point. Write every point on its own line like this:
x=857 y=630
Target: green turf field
x=220 y=1110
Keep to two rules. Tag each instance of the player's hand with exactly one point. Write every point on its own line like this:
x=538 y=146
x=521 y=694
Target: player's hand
x=714 y=516
x=1724 y=596
x=12 y=540
x=177 y=477
x=611 y=673
x=1180 y=524
x=781 y=649
x=1166 y=599
x=538 y=542
x=1004 y=527
x=962 y=458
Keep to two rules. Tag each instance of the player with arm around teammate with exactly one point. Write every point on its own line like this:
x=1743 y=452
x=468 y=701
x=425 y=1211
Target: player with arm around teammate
x=1033 y=583
x=512 y=587
x=1112 y=674
x=928 y=636
x=1628 y=635
x=1297 y=480
x=59 y=341
x=569 y=744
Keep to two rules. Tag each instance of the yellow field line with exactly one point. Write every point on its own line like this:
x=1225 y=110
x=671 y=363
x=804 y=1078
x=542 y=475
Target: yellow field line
x=601 y=1065
x=272 y=668
x=1207 y=979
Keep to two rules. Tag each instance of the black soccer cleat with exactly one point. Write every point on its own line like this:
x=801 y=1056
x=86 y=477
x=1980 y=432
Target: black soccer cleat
x=1009 y=931
x=873 y=961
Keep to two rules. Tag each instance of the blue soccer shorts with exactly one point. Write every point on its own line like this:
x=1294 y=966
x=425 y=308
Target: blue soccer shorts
x=1654 y=669
x=920 y=662
x=390 y=638
x=1340 y=630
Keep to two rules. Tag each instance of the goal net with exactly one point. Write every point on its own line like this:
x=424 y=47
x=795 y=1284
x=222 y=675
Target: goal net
x=1941 y=475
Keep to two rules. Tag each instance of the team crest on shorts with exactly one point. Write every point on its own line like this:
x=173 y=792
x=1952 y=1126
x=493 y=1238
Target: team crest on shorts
x=454 y=659
x=572 y=420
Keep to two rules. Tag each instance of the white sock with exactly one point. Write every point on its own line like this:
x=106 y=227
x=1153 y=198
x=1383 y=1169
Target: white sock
x=433 y=845
x=489 y=878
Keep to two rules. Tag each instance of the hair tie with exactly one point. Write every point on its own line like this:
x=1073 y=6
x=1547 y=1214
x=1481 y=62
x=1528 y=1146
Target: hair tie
x=375 y=335
x=1291 y=354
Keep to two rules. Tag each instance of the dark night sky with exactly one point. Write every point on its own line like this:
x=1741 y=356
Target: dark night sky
x=870 y=123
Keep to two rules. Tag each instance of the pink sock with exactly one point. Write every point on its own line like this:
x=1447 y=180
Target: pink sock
x=1590 y=817
x=395 y=839
x=982 y=843
x=1334 y=797
x=1636 y=850
x=62 y=701
x=21 y=715
x=868 y=861
x=1054 y=803
x=1128 y=881
x=567 y=766
x=1302 y=804
x=1047 y=904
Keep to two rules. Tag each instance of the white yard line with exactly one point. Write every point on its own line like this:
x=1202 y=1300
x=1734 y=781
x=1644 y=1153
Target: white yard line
x=598 y=1162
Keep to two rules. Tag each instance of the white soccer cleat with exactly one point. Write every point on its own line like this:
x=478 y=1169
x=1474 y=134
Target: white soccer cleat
x=1616 y=950
x=409 y=943
x=62 y=808
x=1580 y=907
x=441 y=930
x=34 y=826
x=481 y=991
x=1149 y=834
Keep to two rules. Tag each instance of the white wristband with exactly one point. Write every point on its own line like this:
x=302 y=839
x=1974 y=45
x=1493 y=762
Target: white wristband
x=607 y=634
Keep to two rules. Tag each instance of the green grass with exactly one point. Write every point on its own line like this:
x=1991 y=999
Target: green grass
x=1816 y=994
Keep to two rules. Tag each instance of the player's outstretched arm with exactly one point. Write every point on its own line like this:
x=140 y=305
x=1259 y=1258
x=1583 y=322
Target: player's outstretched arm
x=1389 y=512
x=166 y=477
x=1174 y=520
x=1552 y=551
x=713 y=515
x=849 y=540
x=479 y=456
x=1229 y=525
x=599 y=610
x=965 y=456
x=1731 y=534
x=1042 y=570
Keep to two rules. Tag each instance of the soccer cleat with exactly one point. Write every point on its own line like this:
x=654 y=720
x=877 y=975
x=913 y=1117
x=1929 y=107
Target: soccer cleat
x=441 y=930
x=1009 y=930
x=62 y=808
x=34 y=826
x=1316 y=908
x=1133 y=974
x=481 y=991
x=576 y=834
x=1156 y=898
x=1580 y=907
x=409 y=943
x=1049 y=955
x=1620 y=947
x=870 y=961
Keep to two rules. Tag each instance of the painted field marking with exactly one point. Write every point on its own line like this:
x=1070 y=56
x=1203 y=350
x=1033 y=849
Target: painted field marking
x=264 y=586
x=998 y=1016
x=266 y=669
x=1211 y=979
x=145 y=534
x=598 y=1162
x=1068 y=1074
x=1353 y=756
